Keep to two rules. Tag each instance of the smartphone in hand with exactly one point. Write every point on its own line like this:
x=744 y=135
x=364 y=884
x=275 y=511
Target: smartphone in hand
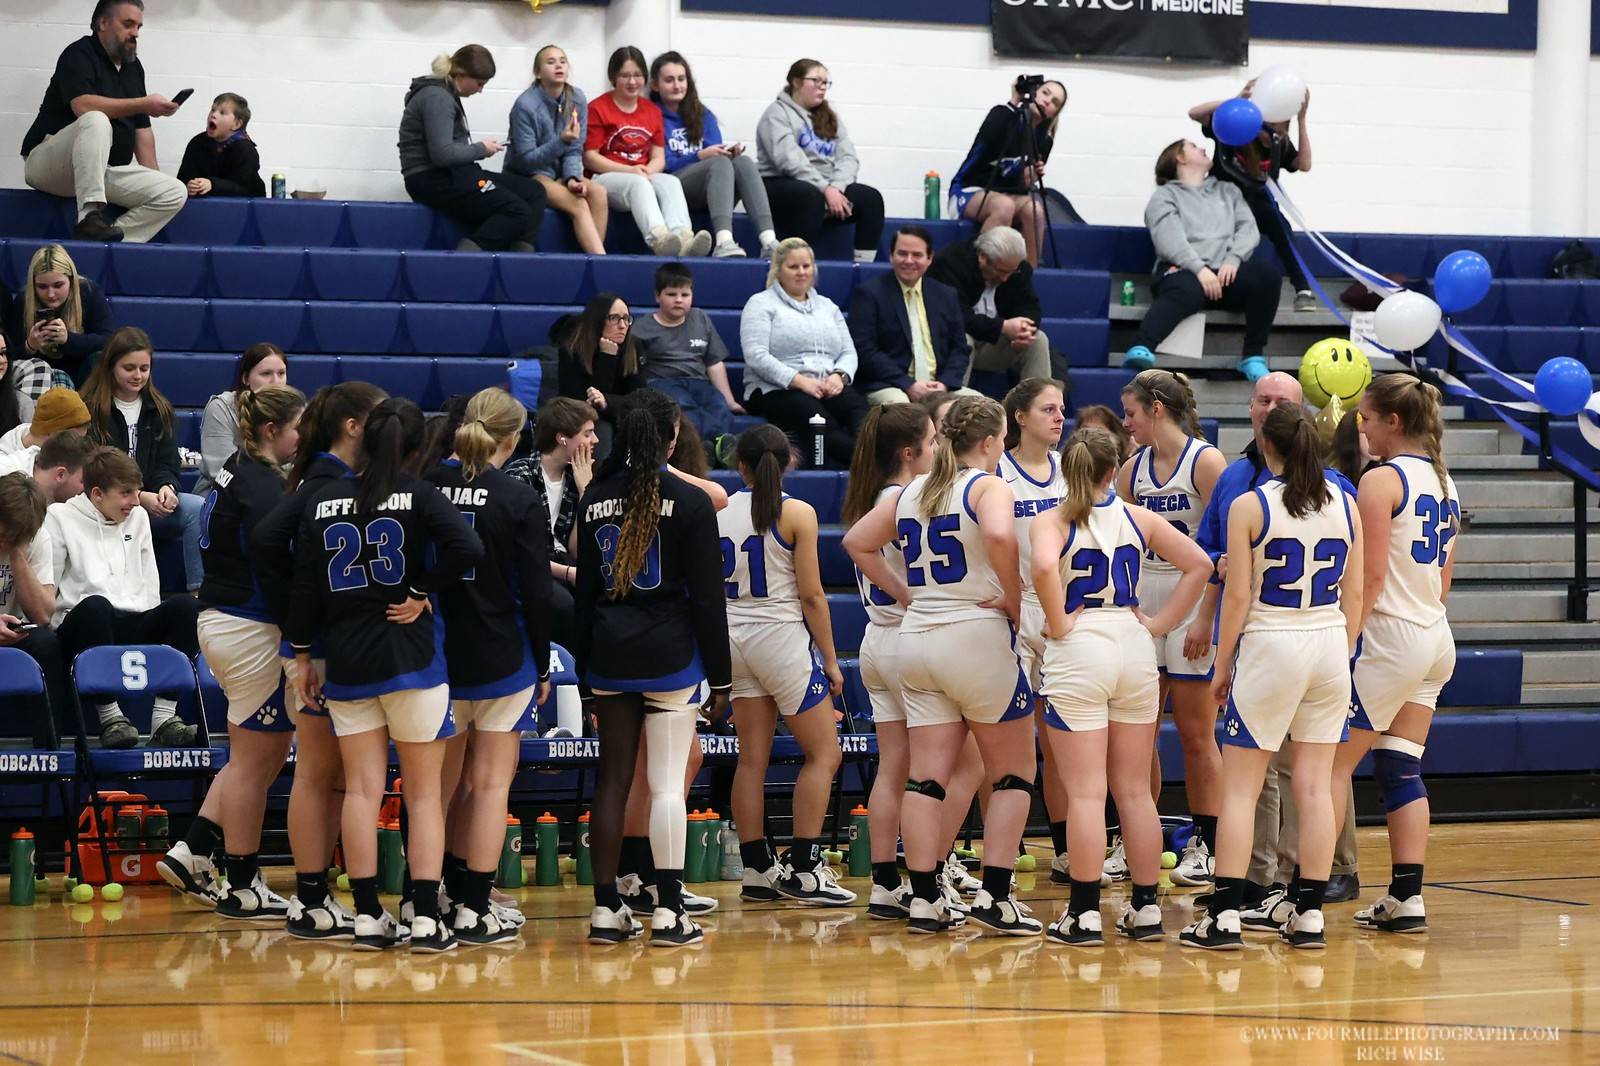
x=183 y=95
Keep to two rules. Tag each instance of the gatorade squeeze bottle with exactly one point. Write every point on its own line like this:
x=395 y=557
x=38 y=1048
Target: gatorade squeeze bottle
x=860 y=843
x=510 y=873
x=585 y=860
x=547 y=838
x=22 y=869
x=391 y=859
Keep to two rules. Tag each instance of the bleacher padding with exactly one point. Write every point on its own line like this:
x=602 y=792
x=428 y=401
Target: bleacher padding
x=352 y=274
x=237 y=324
x=256 y=273
x=157 y=270
x=301 y=223
x=170 y=323
x=448 y=277
x=452 y=329
x=356 y=327
x=190 y=379
x=1539 y=303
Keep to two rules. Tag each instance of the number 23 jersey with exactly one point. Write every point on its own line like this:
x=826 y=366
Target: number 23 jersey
x=947 y=567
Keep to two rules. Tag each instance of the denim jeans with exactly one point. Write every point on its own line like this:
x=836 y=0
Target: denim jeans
x=184 y=522
x=701 y=403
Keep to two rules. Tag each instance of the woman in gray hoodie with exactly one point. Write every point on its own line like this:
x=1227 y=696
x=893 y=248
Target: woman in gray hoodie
x=1204 y=234
x=809 y=165
x=439 y=159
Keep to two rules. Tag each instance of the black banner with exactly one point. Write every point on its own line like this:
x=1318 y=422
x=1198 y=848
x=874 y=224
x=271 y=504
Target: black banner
x=1197 y=31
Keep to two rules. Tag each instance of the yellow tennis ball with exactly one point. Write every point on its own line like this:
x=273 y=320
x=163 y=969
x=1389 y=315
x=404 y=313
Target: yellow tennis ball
x=1169 y=860
x=343 y=883
x=82 y=893
x=1335 y=367
x=1026 y=863
x=112 y=892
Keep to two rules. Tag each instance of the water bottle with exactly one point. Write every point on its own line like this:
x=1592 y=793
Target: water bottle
x=581 y=846
x=22 y=869
x=547 y=838
x=694 y=851
x=732 y=861
x=705 y=850
x=569 y=710
x=391 y=859
x=509 y=875
x=930 y=195
x=130 y=827
x=1127 y=294
x=156 y=829
x=860 y=843
x=819 y=428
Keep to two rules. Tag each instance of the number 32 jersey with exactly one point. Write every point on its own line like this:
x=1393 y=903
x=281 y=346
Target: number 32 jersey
x=1420 y=540
x=947 y=568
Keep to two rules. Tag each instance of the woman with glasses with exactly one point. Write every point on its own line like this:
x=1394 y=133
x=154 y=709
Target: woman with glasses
x=809 y=165
x=599 y=363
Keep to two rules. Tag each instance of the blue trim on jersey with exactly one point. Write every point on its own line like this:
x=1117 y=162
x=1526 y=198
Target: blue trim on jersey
x=1143 y=546
x=1021 y=698
x=816 y=687
x=1234 y=731
x=779 y=536
x=1111 y=498
x=348 y=473
x=693 y=674
x=1348 y=520
x=1266 y=518
x=1054 y=720
x=431 y=676
x=1405 y=489
x=447 y=727
x=1072 y=535
x=1023 y=473
x=1207 y=676
x=1188 y=442
x=966 y=496
x=270 y=717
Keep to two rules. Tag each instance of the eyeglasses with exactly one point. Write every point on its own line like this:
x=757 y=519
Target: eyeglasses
x=619 y=320
x=821 y=83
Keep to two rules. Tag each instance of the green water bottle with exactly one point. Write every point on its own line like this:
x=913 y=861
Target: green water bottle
x=156 y=828
x=130 y=826
x=732 y=861
x=22 y=870
x=694 y=852
x=860 y=843
x=930 y=195
x=510 y=873
x=716 y=831
x=581 y=846
x=1127 y=294
x=391 y=859
x=547 y=838
x=708 y=848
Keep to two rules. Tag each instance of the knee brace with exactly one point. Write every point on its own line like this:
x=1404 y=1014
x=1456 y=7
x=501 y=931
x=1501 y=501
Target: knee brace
x=1012 y=781
x=930 y=788
x=1397 y=766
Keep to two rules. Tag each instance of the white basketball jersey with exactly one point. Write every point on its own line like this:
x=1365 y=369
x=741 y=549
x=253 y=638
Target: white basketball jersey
x=1299 y=561
x=882 y=608
x=757 y=568
x=1175 y=499
x=1033 y=498
x=1100 y=562
x=947 y=567
x=1421 y=537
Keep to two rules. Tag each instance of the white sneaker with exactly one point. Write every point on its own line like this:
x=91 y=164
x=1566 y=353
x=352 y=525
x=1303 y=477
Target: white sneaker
x=1390 y=915
x=760 y=886
x=1304 y=931
x=612 y=926
x=957 y=877
x=1115 y=868
x=673 y=929
x=1082 y=931
x=665 y=243
x=1214 y=934
x=377 y=934
x=470 y=927
x=890 y=905
x=256 y=903
x=1004 y=915
x=1061 y=870
x=952 y=898
x=936 y=917
x=817 y=887
x=695 y=904
x=728 y=249
x=638 y=896
x=1269 y=915
x=1196 y=869
x=1141 y=924
x=506 y=914
x=693 y=244
x=432 y=936
x=326 y=921
x=193 y=875
x=768 y=250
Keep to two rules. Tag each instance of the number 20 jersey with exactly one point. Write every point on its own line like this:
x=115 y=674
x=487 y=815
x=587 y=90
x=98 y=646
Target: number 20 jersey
x=947 y=567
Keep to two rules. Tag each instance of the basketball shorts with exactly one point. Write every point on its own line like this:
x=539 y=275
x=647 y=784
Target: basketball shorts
x=243 y=655
x=412 y=715
x=681 y=699
x=777 y=659
x=1155 y=589
x=1291 y=683
x=1103 y=671
x=1031 y=641
x=963 y=670
x=499 y=714
x=1399 y=662
x=880 y=672
x=291 y=675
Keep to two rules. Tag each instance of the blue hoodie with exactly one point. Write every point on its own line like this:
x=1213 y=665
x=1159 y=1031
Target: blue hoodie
x=680 y=153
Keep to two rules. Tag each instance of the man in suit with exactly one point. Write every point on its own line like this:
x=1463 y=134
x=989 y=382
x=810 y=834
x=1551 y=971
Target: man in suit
x=995 y=285
x=908 y=330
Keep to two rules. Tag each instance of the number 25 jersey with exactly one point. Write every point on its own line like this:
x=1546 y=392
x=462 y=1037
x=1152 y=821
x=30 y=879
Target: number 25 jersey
x=947 y=567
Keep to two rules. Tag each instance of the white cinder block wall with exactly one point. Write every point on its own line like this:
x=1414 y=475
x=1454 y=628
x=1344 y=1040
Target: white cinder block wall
x=1405 y=140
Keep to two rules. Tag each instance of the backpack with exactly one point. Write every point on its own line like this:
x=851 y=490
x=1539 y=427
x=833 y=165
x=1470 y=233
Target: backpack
x=1575 y=262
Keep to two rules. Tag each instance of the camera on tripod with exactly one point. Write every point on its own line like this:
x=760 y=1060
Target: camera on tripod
x=1026 y=85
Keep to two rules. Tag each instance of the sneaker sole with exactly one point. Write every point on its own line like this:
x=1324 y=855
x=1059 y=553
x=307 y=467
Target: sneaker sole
x=1005 y=930
x=418 y=948
x=883 y=912
x=1263 y=929
x=373 y=943
x=1061 y=941
x=1144 y=933
x=316 y=934
x=695 y=910
x=662 y=940
x=1190 y=881
x=813 y=901
x=1402 y=926
x=1307 y=945
x=179 y=879
x=1232 y=945
x=927 y=928
x=259 y=916
x=759 y=895
x=609 y=936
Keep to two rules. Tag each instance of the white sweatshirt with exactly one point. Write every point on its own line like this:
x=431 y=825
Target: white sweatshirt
x=97 y=557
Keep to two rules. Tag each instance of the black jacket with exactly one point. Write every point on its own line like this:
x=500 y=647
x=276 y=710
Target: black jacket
x=246 y=491
x=957 y=266
x=607 y=376
x=156 y=451
x=98 y=326
x=880 y=326
x=995 y=160
x=233 y=167
x=272 y=539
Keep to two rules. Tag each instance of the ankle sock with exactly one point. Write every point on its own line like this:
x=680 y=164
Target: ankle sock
x=1207 y=825
x=425 y=898
x=365 y=890
x=455 y=874
x=924 y=886
x=1143 y=896
x=997 y=882
x=242 y=870
x=1310 y=897
x=756 y=855
x=311 y=889
x=669 y=890
x=107 y=712
x=203 y=836
x=1228 y=895
x=1058 y=837
x=1406 y=881
x=806 y=853
x=1085 y=897
x=162 y=709
x=886 y=875
x=475 y=887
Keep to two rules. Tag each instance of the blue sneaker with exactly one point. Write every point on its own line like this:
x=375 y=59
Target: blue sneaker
x=1253 y=367
x=1141 y=358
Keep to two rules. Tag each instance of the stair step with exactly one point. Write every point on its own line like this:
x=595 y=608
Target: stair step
x=1503 y=604
x=1531 y=547
x=1502 y=573
x=1560 y=668
x=1544 y=491
x=1460 y=441
x=1564 y=694
x=1544 y=519
x=1525 y=634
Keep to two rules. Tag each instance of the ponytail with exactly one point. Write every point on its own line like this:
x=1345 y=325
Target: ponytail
x=888 y=428
x=644 y=433
x=275 y=405
x=393 y=436
x=969 y=420
x=322 y=423
x=492 y=417
x=763 y=455
x=1173 y=392
x=1090 y=457
x=1293 y=439
x=1416 y=404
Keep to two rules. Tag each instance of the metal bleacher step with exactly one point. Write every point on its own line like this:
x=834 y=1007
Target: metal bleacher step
x=1527 y=547
x=1474 y=439
x=1543 y=492
x=1507 y=604
x=1565 y=667
x=1541 y=518
x=1504 y=573
x=1287 y=315
x=1547 y=635
x=1584 y=695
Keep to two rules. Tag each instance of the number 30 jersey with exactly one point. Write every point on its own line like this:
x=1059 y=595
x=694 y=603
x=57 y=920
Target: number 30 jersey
x=1298 y=562
x=947 y=568
x=757 y=568
x=352 y=565
x=1420 y=541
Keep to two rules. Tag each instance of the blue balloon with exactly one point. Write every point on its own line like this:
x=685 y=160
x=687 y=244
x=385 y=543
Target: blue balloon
x=1236 y=122
x=1563 y=386
x=1461 y=281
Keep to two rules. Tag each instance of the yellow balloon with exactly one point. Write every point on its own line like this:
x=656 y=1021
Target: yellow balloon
x=1335 y=367
x=1328 y=419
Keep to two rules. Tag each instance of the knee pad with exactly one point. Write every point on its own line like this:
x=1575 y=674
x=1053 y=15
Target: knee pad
x=1397 y=766
x=1012 y=781
x=930 y=788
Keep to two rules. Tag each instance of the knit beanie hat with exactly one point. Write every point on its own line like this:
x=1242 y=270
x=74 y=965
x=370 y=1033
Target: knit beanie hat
x=58 y=409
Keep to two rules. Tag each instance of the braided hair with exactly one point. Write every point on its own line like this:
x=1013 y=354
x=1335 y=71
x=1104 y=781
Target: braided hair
x=275 y=405
x=645 y=429
x=1416 y=404
x=969 y=420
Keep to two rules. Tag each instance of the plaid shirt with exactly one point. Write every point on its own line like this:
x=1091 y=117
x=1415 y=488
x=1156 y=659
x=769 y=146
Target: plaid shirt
x=530 y=472
x=35 y=377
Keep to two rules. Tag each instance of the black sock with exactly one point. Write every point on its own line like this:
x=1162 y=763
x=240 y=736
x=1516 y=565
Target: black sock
x=1406 y=881
x=1310 y=897
x=1207 y=825
x=1058 y=837
x=405 y=882
x=365 y=889
x=203 y=837
x=1293 y=888
x=806 y=853
x=605 y=895
x=628 y=857
x=756 y=855
x=1113 y=821
x=455 y=876
x=1254 y=893
x=997 y=882
x=1143 y=895
x=425 y=898
x=886 y=874
x=311 y=888
x=924 y=886
x=1228 y=895
x=1085 y=897
x=669 y=890
x=475 y=888
x=242 y=870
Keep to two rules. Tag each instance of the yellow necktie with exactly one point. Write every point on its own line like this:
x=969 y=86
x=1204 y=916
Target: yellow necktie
x=922 y=368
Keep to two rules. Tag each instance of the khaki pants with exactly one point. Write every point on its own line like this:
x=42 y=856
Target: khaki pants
x=879 y=397
x=1032 y=361
x=73 y=162
x=1275 y=848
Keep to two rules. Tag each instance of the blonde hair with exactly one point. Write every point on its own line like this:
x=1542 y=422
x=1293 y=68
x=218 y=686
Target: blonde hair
x=969 y=420
x=275 y=405
x=781 y=252
x=1171 y=391
x=1416 y=404
x=1090 y=457
x=492 y=416
x=471 y=60
x=53 y=259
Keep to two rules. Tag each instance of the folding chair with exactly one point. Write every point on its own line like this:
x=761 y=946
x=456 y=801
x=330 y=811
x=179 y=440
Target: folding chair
x=20 y=678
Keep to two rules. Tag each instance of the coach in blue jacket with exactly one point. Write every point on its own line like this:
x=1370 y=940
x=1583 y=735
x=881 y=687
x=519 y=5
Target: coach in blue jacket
x=908 y=329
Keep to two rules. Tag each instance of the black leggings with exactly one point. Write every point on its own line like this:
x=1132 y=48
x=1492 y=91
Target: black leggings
x=791 y=410
x=1276 y=230
x=495 y=210
x=799 y=210
x=94 y=623
x=1179 y=295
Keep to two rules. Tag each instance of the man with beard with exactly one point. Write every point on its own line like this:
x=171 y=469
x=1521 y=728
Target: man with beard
x=92 y=139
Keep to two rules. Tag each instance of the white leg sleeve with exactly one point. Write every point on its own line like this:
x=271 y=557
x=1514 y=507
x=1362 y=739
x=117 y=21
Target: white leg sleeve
x=668 y=735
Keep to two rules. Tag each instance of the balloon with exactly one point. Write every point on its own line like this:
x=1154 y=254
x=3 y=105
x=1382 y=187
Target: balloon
x=1461 y=281
x=1279 y=92
x=1563 y=386
x=1406 y=321
x=1236 y=122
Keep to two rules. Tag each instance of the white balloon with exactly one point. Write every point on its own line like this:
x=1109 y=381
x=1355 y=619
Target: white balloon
x=1278 y=92
x=1406 y=321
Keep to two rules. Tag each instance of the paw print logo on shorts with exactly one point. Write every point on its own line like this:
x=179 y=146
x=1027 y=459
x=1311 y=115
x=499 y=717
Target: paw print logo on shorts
x=1350 y=715
x=267 y=715
x=1233 y=726
x=817 y=687
x=1020 y=702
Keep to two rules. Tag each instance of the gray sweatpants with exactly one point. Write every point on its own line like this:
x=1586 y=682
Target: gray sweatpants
x=1276 y=846
x=714 y=185
x=75 y=162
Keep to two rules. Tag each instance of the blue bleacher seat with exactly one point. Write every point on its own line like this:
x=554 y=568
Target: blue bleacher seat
x=241 y=323
x=451 y=329
x=210 y=221
x=833 y=561
x=1589 y=303
x=90 y=259
x=1555 y=741
x=1590 y=354
x=189 y=379
x=397 y=225
x=172 y=324
x=132 y=675
x=1084 y=247
x=1134 y=254
x=849 y=620
x=834 y=280
x=1083 y=340
x=448 y=277
x=308 y=373
x=1528 y=347
x=188 y=432
x=350 y=274
x=1391 y=253
x=1092 y=385
x=1540 y=303
x=1490 y=340
x=529 y=327
x=856 y=701
x=542 y=279
x=463 y=376
x=1529 y=257
x=158 y=270
x=1486 y=312
x=943 y=231
x=26 y=213
x=354 y=327
x=258 y=273
x=727 y=327
x=822 y=489
x=301 y=223
x=1493 y=249
x=1484 y=677
x=398 y=375
x=1073 y=293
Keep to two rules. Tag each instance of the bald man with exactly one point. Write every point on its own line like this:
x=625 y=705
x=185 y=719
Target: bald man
x=1272 y=864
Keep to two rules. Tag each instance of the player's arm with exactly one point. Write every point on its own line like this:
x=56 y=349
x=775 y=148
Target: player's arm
x=1245 y=519
x=1380 y=495
x=797 y=521
x=714 y=492
x=1352 y=584
x=864 y=542
x=1046 y=540
x=1125 y=478
x=532 y=547
x=1176 y=548
x=996 y=508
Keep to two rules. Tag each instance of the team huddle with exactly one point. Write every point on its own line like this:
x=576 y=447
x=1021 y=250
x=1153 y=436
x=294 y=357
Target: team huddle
x=1020 y=594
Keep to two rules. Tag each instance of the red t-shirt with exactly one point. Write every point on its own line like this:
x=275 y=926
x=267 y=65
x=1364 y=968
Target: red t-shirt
x=623 y=137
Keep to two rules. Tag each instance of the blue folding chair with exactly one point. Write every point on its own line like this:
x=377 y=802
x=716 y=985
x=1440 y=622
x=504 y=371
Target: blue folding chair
x=21 y=679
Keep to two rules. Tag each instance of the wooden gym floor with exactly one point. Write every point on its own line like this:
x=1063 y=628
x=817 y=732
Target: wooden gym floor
x=1508 y=974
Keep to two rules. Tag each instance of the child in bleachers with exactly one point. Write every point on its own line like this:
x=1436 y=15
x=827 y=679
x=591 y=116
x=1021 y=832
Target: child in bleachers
x=108 y=592
x=549 y=122
x=223 y=161
x=684 y=356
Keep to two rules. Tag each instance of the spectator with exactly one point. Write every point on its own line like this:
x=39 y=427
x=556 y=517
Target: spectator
x=564 y=438
x=599 y=363
x=128 y=412
x=625 y=152
x=1204 y=235
x=439 y=159
x=684 y=356
x=92 y=138
x=108 y=591
x=908 y=329
x=57 y=410
x=1249 y=166
x=16 y=409
x=549 y=122
x=1105 y=418
x=994 y=185
x=223 y=160
x=715 y=175
x=995 y=283
x=799 y=358
x=261 y=365
x=60 y=317
x=809 y=164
